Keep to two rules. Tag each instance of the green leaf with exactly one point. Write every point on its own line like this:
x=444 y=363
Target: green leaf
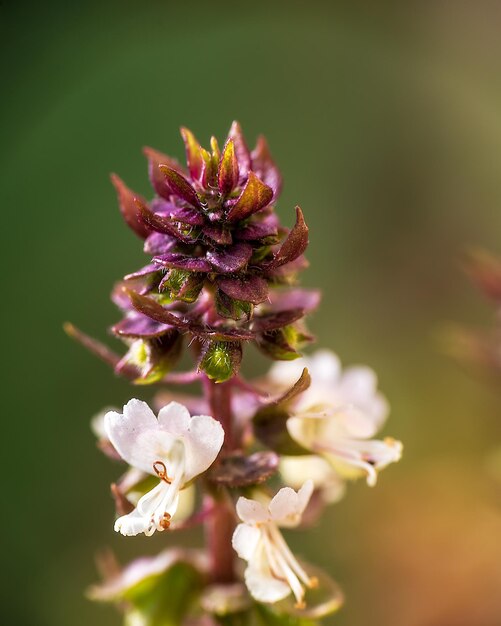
x=164 y=600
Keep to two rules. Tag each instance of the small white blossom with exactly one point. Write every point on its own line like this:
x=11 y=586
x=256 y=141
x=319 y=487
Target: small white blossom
x=175 y=447
x=294 y=469
x=272 y=572
x=338 y=416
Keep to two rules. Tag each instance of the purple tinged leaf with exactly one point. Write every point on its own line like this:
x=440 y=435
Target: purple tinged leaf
x=233 y=309
x=180 y=186
x=305 y=299
x=162 y=224
x=218 y=233
x=241 y=149
x=257 y=231
x=137 y=325
x=159 y=243
x=144 y=271
x=265 y=167
x=249 y=289
x=228 y=169
x=157 y=179
x=183 y=262
x=239 y=470
x=151 y=308
x=209 y=171
x=273 y=321
x=230 y=259
x=128 y=207
x=254 y=197
x=183 y=214
x=294 y=245
x=193 y=153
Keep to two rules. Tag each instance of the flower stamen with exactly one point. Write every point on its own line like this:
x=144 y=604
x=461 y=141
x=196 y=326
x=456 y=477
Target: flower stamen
x=161 y=471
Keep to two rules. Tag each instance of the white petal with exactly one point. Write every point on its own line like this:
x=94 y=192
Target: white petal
x=349 y=421
x=264 y=587
x=136 y=435
x=352 y=458
x=174 y=418
x=325 y=367
x=203 y=441
x=284 y=373
x=287 y=506
x=251 y=511
x=134 y=524
x=245 y=540
x=358 y=386
x=294 y=469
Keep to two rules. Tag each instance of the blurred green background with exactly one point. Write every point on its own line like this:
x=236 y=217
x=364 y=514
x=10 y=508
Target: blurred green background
x=386 y=121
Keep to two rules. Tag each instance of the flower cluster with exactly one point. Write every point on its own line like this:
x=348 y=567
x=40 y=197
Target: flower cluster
x=244 y=459
x=220 y=262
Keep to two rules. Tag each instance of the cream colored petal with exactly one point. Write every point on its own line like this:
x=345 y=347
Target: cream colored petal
x=251 y=511
x=245 y=540
x=287 y=506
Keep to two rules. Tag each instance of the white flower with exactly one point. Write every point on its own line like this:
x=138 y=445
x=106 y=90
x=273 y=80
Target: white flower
x=294 y=469
x=272 y=572
x=175 y=447
x=338 y=415
x=331 y=385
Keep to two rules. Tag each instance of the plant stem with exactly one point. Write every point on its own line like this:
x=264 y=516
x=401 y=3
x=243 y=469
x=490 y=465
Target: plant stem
x=220 y=525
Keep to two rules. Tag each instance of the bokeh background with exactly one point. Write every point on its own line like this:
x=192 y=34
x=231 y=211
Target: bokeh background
x=386 y=121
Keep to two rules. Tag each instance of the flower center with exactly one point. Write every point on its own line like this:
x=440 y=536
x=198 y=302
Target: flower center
x=284 y=566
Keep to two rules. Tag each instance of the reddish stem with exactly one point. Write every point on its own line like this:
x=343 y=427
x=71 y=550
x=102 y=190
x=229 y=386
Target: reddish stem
x=220 y=525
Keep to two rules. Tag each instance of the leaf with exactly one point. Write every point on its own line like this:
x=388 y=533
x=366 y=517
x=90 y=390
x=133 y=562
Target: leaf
x=183 y=262
x=294 y=245
x=193 y=153
x=157 y=179
x=276 y=320
x=241 y=149
x=231 y=308
x=218 y=233
x=151 y=308
x=137 y=325
x=239 y=470
x=228 y=169
x=254 y=197
x=183 y=214
x=128 y=208
x=265 y=167
x=250 y=289
x=164 y=600
x=163 y=224
x=180 y=186
x=231 y=259
x=301 y=384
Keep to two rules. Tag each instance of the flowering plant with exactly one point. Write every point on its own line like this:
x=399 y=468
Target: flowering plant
x=245 y=459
